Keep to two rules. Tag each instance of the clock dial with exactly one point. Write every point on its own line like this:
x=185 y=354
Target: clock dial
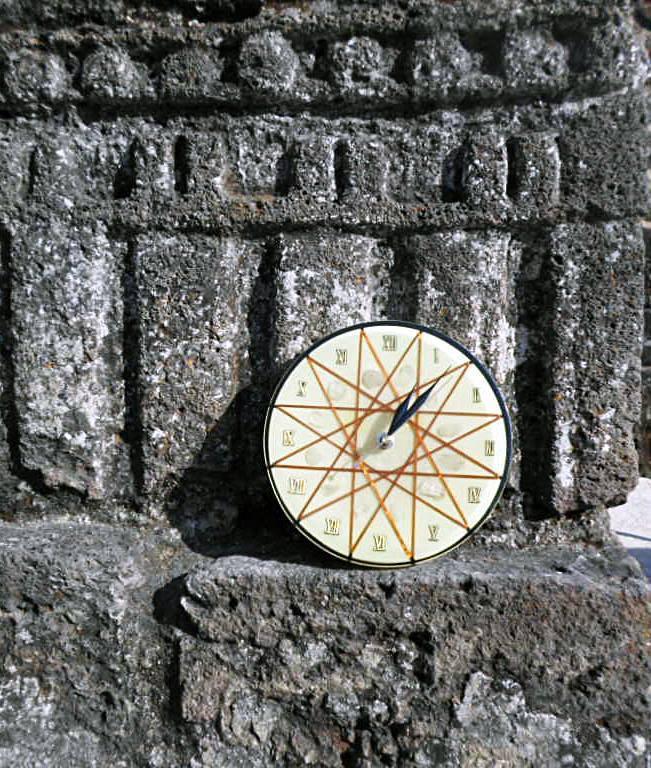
x=365 y=489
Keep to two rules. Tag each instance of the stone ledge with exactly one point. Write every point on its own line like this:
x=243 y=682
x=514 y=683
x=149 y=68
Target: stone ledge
x=532 y=658
x=84 y=665
x=111 y=655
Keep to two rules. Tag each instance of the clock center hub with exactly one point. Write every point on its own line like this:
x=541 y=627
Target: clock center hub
x=379 y=450
x=385 y=441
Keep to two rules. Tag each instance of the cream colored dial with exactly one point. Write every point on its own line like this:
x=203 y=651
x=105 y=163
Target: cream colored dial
x=387 y=502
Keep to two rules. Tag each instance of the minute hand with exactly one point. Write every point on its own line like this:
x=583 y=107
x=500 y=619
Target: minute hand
x=403 y=415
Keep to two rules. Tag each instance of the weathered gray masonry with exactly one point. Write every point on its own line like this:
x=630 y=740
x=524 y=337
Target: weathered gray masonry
x=191 y=195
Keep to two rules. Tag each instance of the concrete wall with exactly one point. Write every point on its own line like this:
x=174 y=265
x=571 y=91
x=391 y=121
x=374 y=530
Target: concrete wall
x=188 y=204
x=193 y=192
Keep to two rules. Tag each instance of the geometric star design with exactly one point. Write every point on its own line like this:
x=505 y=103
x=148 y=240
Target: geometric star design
x=390 y=505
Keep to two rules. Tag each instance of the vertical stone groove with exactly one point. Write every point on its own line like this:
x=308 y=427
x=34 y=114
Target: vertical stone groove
x=402 y=301
x=124 y=182
x=132 y=333
x=181 y=166
x=32 y=172
x=512 y=178
x=341 y=163
x=452 y=181
x=533 y=377
x=261 y=323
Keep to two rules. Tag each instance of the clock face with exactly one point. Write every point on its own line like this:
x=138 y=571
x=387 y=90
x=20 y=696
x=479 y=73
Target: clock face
x=387 y=444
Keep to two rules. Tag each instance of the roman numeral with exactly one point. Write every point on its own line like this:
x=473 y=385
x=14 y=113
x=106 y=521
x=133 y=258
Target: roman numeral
x=302 y=389
x=379 y=542
x=489 y=447
x=473 y=495
x=476 y=395
x=342 y=356
x=288 y=437
x=389 y=343
x=435 y=355
x=296 y=486
x=332 y=526
x=433 y=532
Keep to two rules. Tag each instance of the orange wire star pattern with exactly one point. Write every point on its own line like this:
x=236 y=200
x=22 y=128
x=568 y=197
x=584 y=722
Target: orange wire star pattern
x=377 y=499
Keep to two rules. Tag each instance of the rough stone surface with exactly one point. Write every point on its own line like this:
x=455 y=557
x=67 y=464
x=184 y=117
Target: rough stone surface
x=329 y=657
x=192 y=193
x=112 y=655
x=110 y=75
x=66 y=310
x=85 y=665
x=601 y=296
x=191 y=74
x=465 y=287
x=193 y=349
x=323 y=285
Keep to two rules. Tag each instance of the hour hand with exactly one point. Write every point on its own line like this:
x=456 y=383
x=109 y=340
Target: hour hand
x=400 y=415
x=405 y=413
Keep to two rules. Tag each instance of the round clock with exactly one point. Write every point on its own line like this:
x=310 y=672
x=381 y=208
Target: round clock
x=387 y=443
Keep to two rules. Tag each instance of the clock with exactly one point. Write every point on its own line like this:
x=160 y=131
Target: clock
x=387 y=444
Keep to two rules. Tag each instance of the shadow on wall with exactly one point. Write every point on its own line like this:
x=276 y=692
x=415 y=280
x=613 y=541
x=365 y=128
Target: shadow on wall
x=233 y=511
x=227 y=507
x=223 y=503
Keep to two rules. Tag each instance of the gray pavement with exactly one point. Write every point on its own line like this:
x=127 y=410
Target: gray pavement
x=632 y=523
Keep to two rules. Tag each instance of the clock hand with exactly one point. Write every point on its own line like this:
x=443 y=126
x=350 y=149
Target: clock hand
x=400 y=412
x=410 y=410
